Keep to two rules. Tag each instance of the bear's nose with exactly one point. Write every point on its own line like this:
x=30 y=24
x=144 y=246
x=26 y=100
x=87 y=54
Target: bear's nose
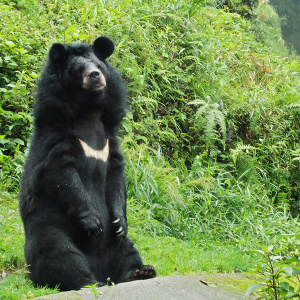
x=94 y=74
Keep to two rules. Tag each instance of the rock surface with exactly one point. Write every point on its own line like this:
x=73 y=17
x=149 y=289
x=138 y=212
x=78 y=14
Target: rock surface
x=191 y=287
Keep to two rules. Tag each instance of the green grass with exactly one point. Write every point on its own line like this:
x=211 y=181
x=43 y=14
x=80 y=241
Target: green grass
x=12 y=234
x=18 y=286
x=172 y=256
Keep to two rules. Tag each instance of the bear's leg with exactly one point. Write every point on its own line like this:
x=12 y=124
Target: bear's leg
x=57 y=262
x=127 y=263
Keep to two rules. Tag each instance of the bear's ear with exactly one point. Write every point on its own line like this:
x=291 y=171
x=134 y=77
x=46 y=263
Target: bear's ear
x=57 y=53
x=104 y=47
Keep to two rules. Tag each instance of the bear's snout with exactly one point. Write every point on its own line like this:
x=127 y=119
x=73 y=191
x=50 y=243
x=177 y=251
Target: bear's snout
x=94 y=74
x=93 y=80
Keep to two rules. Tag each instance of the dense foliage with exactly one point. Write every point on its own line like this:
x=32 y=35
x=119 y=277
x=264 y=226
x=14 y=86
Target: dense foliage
x=289 y=11
x=245 y=8
x=212 y=136
x=223 y=111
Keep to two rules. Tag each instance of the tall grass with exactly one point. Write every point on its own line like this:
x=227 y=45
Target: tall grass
x=208 y=205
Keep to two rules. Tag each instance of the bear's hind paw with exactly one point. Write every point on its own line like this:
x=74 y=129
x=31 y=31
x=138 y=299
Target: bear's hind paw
x=146 y=272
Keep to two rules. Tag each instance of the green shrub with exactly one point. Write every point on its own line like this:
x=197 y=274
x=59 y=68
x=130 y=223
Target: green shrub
x=245 y=8
x=279 y=272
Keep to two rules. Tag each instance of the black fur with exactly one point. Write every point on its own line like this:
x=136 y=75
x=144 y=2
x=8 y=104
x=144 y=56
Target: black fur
x=73 y=206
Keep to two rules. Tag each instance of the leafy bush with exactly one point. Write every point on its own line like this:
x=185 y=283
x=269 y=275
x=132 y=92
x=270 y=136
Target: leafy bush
x=279 y=273
x=244 y=8
x=289 y=11
x=19 y=62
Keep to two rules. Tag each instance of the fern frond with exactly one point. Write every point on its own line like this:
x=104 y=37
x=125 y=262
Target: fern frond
x=202 y=110
x=207 y=183
x=221 y=121
x=144 y=104
x=295 y=105
x=214 y=116
x=209 y=127
x=240 y=148
x=296 y=154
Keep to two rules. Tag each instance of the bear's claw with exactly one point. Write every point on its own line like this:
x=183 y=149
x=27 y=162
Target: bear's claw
x=120 y=227
x=146 y=272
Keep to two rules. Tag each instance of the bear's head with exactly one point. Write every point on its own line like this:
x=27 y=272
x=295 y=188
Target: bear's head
x=82 y=66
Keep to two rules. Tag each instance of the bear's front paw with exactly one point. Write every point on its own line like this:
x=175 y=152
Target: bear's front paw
x=90 y=221
x=120 y=226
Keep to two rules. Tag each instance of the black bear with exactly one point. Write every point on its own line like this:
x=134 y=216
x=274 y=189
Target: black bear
x=72 y=196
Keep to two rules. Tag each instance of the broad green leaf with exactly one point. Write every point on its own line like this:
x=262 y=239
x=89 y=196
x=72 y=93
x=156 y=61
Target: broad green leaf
x=296 y=271
x=10 y=44
x=278 y=250
x=252 y=289
x=288 y=270
x=265 y=249
x=22 y=50
x=23 y=91
x=286 y=286
x=276 y=257
x=258 y=251
x=11 y=85
x=290 y=260
x=291 y=295
x=19 y=141
x=4 y=141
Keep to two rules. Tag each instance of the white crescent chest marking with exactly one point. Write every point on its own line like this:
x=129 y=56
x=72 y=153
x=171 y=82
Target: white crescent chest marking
x=98 y=154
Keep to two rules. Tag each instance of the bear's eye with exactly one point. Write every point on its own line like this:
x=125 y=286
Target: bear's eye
x=81 y=69
x=81 y=52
